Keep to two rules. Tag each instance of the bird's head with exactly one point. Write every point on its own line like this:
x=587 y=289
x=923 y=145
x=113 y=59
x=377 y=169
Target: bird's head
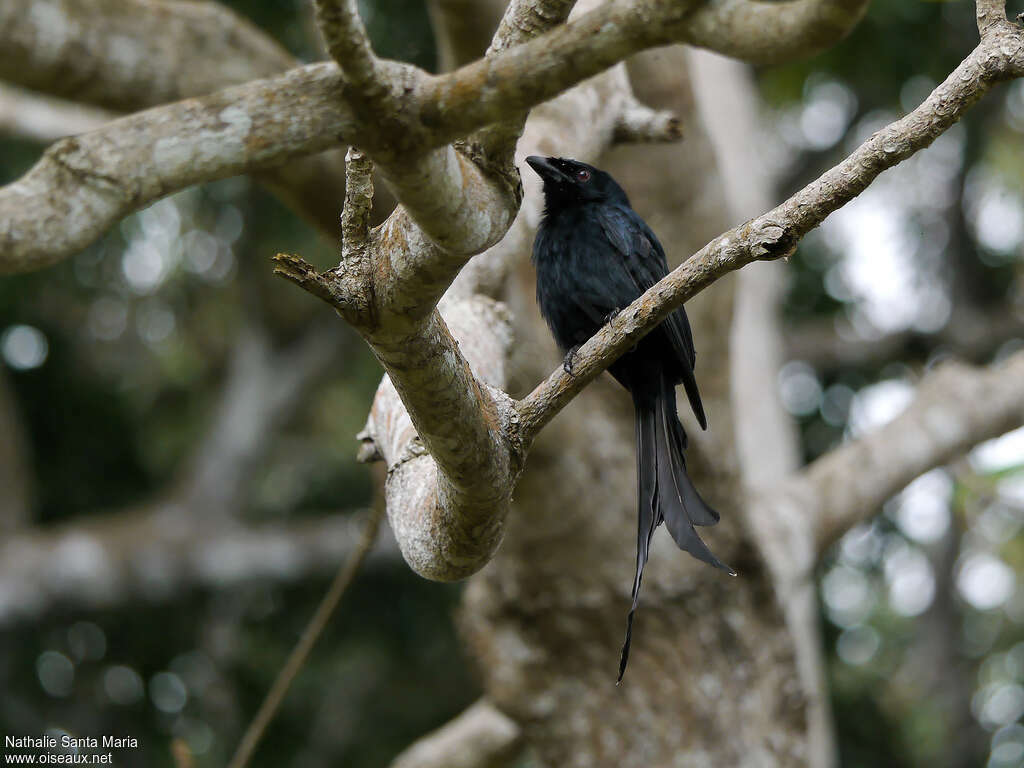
x=570 y=182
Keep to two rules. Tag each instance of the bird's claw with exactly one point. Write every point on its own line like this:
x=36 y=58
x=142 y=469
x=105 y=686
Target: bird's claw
x=611 y=315
x=568 y=359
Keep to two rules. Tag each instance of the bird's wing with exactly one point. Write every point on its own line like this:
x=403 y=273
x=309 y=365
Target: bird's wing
x=644 y=261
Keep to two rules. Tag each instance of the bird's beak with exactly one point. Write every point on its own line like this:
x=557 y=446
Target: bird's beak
x=546 y=169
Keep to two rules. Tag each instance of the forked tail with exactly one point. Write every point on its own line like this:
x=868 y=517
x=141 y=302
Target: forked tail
x=664 y=491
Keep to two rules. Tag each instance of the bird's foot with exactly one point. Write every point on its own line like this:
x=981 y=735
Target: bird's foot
x=568 y=359
x=611 y=315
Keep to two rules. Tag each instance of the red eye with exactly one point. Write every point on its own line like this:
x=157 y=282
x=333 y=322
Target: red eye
x=583 y=174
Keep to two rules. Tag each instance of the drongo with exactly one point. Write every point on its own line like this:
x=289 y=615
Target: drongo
x=594 y=256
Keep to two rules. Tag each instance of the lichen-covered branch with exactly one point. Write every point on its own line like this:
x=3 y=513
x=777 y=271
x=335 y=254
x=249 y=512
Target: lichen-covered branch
x=526 y=19
x=265 y=123
x=486 y=90
x=991 y=13
x=444 y=434
x=346 y=39
x=84 y=184
x=127 y=54
x=956 y=408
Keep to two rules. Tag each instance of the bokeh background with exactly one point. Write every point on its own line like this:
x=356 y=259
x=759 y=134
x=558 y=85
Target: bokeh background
x=117 y=363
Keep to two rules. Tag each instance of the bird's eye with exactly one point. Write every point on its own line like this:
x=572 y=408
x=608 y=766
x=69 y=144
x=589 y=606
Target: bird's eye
x=583 y=175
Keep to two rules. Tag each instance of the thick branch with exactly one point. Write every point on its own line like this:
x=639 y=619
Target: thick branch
x=127 y=54
x=956 y=408
x=776 y=233
x=483 y=92
x=86 y=187
x=481 y=737
x=158 y=553
x=524 y=20
x=468 y=427
x=451 y=462
x=84 y=184
x=767 y=32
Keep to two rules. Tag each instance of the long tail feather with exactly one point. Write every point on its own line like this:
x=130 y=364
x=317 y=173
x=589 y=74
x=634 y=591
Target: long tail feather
x=664 y=493
x=680 y=504
x=648 y=514
x=693 y=395
x=700 y=512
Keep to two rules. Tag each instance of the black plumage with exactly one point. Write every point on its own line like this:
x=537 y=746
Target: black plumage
x=594 y=256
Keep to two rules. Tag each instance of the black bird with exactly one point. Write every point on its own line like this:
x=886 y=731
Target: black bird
x=594 y=256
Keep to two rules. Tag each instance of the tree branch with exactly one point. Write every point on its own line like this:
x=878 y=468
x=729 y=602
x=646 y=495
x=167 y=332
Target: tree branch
x=451 y=466
x=448 y=506
x=85 y=186
x=346 y=39
x=956 y=408
x=769 y=33
x=775 y=234
x=484 y=91
x=991 y=13
x=525 y=20
x=155 y=553
x=126 y=55
x=974 y=335
x=481 y=737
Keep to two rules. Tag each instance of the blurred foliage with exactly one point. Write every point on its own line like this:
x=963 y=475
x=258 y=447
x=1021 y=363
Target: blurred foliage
x=911 y=658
